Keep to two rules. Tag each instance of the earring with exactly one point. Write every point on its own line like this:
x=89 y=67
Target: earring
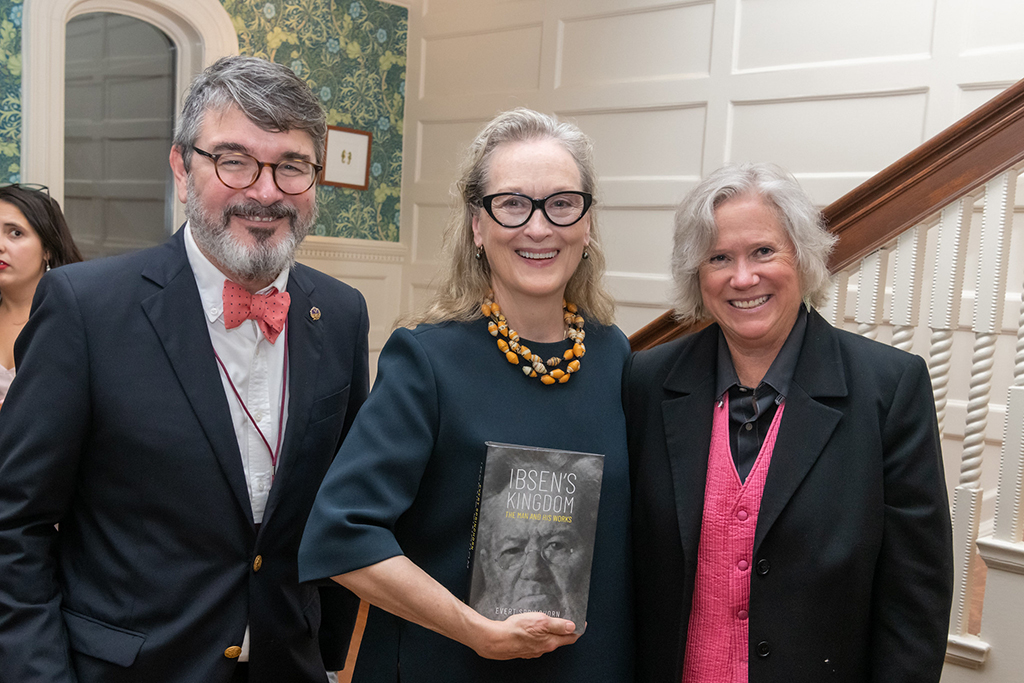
x=47 y=266
x=479 y=253
x=586 y=254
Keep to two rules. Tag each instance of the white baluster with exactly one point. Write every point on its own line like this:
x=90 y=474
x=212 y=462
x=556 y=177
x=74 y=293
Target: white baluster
x=908 y=263
x=834 y=310
x=989 y=295
x=1009 y=516
x=871 y=293
x=947 y=292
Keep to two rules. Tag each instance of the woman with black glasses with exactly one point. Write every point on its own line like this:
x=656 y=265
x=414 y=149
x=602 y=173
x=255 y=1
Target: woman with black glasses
x=33 y=239
x=517 y=346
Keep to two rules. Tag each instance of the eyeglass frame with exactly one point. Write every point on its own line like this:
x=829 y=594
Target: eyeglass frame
x=30 y=187
x=588 y=201
x=259 y=166
x=516 y=564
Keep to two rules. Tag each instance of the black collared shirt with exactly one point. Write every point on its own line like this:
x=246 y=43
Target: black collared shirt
x=751 y=410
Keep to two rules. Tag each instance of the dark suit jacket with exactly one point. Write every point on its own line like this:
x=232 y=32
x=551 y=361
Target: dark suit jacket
x=117 y=428
x=852 y=567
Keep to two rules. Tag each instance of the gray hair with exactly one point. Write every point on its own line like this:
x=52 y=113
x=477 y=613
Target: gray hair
x=269 y=94
x=696 y=231
x=462 y=279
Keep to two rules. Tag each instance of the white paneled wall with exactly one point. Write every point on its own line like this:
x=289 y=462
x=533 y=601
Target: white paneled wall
x=670 y=90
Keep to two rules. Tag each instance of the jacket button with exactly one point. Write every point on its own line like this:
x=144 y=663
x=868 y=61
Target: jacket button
x=763 y=566
x=233 y=652
x=763 y=649
x=257 y=563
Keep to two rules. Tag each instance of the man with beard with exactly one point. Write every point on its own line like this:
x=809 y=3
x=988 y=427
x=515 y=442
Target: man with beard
x=174 y=412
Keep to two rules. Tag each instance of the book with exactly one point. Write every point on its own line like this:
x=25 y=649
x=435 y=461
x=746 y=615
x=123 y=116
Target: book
x=533 y=536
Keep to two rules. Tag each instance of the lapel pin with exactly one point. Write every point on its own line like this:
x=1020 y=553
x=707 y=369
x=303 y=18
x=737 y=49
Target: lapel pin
x=314 y=313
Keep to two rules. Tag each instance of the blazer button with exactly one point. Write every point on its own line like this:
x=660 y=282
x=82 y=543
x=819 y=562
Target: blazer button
x=763 y=566
x=257 y=563
x=763 y=649
x=233 y=652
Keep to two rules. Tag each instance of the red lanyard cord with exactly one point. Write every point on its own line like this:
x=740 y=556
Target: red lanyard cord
x=274 y=452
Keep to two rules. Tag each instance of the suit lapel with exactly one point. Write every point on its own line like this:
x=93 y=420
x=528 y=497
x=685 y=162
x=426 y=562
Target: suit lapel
x=305 y=345
x=176 y=313
x=688 y=432
x=807 y=424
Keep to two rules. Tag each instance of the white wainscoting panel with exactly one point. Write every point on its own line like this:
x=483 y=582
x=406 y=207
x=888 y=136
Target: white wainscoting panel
x=498 y=61
x=774 y=34
x=661 y=43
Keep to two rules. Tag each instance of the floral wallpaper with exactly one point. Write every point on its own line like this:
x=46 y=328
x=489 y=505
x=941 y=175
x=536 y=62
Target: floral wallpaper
x=10 y=90
x=351 y=52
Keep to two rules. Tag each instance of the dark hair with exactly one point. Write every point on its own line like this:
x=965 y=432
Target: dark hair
x=44 y=215
x=269 y=94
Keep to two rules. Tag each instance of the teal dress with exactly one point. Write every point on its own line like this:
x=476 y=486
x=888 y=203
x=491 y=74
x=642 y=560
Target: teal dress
x=405 y=482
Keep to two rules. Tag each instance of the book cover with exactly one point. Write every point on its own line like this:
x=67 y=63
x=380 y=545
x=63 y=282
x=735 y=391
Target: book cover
x=533 y=538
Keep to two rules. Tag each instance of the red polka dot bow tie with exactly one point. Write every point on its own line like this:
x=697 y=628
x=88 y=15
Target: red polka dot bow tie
x=268 y=310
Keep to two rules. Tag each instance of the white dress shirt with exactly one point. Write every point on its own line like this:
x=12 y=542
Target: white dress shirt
x=256 y=368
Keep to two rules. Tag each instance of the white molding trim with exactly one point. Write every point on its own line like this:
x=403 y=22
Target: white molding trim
x=200 y=29
x=967 y=651
x=351 y=249
x=1002 y=554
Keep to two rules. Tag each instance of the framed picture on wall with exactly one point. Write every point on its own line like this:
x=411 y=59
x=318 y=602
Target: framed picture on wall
x=347 y=161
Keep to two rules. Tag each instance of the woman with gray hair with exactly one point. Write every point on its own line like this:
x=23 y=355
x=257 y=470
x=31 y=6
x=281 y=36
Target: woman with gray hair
x=790 y=516
x=498 y=355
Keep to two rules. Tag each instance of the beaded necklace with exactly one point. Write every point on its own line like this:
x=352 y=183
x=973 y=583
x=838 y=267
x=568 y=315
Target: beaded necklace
x=535 y=366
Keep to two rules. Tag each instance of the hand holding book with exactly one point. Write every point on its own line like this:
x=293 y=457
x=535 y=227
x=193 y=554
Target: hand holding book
x=398 y=586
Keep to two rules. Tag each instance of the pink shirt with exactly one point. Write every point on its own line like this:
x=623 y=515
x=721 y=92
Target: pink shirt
x=718 y=634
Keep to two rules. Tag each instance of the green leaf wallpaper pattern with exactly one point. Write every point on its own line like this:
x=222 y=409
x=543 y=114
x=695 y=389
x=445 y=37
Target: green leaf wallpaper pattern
x=10 y=90
x=351 y=52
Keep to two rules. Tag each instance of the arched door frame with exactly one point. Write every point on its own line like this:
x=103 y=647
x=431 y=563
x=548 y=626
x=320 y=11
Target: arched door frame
x=200 y=29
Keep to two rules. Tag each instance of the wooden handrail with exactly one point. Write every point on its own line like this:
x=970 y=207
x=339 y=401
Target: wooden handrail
x=947 y=167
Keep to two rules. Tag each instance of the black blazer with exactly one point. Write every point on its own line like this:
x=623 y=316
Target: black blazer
x=852 y=573
x=117 y=428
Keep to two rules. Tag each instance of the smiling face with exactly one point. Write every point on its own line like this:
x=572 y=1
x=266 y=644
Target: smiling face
x=749 y=281
x=22 y=256
x=250 y=234
x=531 y=264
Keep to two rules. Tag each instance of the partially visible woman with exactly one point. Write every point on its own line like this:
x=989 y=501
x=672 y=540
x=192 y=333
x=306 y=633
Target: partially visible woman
x=394 y=517
x=790 y=515
x=33 y=239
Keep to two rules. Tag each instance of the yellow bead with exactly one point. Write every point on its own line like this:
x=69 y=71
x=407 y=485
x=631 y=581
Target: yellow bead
x=568 y=354
x=578 y=350
x=503 y=345
x=557 y=374
x=564 y=379
x=495 y=308
x=533 y=374
x=512 y=358
x=525 y=350
x=571 y=308
x=578 y=320
x=547 y=379
x=573 y=366
x=486 y=310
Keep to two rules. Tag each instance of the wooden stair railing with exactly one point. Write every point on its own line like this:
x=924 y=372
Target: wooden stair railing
x=947 y=167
